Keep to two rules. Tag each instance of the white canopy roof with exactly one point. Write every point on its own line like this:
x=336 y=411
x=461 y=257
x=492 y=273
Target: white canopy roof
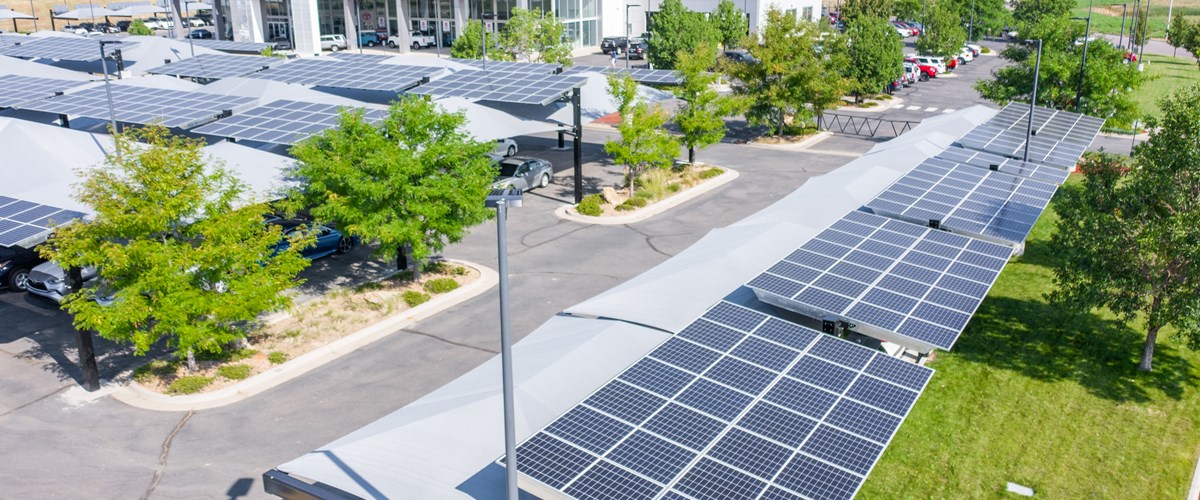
x=86 y=12
x=139 y=10
x=12 y=14
x=17 y=66
x=487 y=124
x=270 y=90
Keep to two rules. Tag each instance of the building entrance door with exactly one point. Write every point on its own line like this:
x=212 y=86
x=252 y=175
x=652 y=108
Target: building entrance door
x=278 y=30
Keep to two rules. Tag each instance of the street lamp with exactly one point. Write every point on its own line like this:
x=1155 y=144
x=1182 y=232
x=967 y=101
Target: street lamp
x=112 y=112
x=1037 y=68
x=628 y=42
x=483 y=29
x=1087 y=32
x=971 y=29
x=1121 y=37
x=501 y=200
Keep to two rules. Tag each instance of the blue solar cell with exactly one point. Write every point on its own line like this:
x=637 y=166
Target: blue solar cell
x=872 y=261
x=765 y=354
x=777 y=493
x=984 y=261
x=903 y=286
x=894 y=238
x=794 y=272
x=875 y=316
x=740 y=375
x=785 y=426
x=941 y=316
x=16 y=207
x=718 y=401
x=882 y=395
x=992 y=249
x=881 y=248
x=606 y=481
x=659 y=378
x=802 y=398
x=815 y=479
x=810 y=259
x=973 y=273
x=651 y=456
x=685 y=426
x=846 y=226
x=822 y=374
x=842 y=449
x=842 y=352
x=712 y=335
x=750 y=453
x=685 y=354
x=840 y=286
x=952 y=300
x=863 y=420
x=966 y=287
x=893 y=301
x=788 y=334
x=899 y=372
x=551 y=460
x=776 y=285
x=926 y=260
x=844 y=239
x=855 y=272
x=735 y=316
x=929 y=333
x=589 y=429
x=823 y=300
x=709 y=479
x=625 y=402
x=825 y=248
x=937 y=249
x=915 y=273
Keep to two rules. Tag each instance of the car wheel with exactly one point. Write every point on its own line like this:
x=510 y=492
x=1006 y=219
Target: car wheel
x=392 y=43
x=18 y=280
x=545 y=180
x=345 y=244
x=370 y=43
x=416 y=46
x=334 y=48
x=924 y=77
x=512 y=150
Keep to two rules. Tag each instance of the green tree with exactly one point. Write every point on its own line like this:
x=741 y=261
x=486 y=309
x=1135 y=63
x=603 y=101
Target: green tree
x=701 y=117
x=944 y=35
x=470 y=44
x=1138 y=27
x=1131 y=236
x=790 y=80
x=1193 y=42
x=414 y=181
x=731 y=24
x=990 y=15
x=906 y=10
x=536 y=36
x=853 y=9
x=876 y=55
x=676 y=28
x=137 y=27
x=1026 y=12
x=643 y=142
x=1180 y=33
x=174 y=253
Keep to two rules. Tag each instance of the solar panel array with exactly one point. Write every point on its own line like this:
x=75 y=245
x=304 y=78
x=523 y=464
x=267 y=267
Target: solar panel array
x=8 y=40
x=22 y=221
x=511 y=66
x=369 y=58
x=63 y=48
x=216 y=66
x=658 y=76
x=965 y=198
x=232 y=46
x=1060 y=138
x=498 y=86
x=920 y=283
x=16 y=90
x=737 y=405
x=144 y=106
x=359 y=75
x=999 y=163
x=282 y=122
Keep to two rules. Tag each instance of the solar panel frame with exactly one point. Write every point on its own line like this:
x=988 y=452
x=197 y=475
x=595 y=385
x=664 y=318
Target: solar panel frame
x=232 y=46
x=16 y=90
x=982 y=159
x=357 y=75
x=496 y=86
x=511 y=66
x=216 y=66
x=63 y=49
x=925 y=324
x=283 y=122
x=640 y=75
x=1059 y=137
x=739 y=454
x=23 y=222
x=144 y=105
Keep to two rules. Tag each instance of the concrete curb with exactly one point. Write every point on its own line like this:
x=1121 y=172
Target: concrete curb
x=883 y=106
x=653 y=209
x=948 y=75
x=799 y=146
x=1194 y=491
x=134 y=395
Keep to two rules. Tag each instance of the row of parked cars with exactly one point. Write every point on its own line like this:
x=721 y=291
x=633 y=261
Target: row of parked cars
x=919 y=68
x=636 y=47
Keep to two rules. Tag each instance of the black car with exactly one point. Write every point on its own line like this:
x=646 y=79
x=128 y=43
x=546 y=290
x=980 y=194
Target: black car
x=200 y=34
x=638 y=49
x=15 y=263
x=124 y=25
x=739 y=56
x=613 y=43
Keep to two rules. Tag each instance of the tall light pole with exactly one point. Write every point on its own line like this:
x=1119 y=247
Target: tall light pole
x=1087 y=32
x=1121 y=37
x=34 y=13
x=501 y=200
x=1037 y=69
x=971 y=29
x=112 y=112
x=628 y=42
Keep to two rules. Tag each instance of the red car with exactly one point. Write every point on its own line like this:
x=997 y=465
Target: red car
x=927 y=71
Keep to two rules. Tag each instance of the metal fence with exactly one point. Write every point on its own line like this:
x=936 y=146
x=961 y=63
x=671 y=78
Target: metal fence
x=863 y=125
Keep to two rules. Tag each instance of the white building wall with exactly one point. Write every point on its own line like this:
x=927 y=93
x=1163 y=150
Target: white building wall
x=246 y=18
x=306 y=30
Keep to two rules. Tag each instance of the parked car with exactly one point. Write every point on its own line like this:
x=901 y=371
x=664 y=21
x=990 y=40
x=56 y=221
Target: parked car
x=911 y=73
x=1011 y=33
x=75 y=28
x=638 y=49
x=369 y=39
x=903 y=30
x=152 y=23
x=16 y=262
x=613 y=43
x=927 y=69
x=524 y=173
x=912 y=27
x=936 y=62
x=333 y=43
x=106 y=28
x=201 y=34
x=419 y=40
x=196 y=22
x=124 y=25
x=976 y=49
x=739 y=56
x=329 y=240
x=505 y=147
x=49 y=280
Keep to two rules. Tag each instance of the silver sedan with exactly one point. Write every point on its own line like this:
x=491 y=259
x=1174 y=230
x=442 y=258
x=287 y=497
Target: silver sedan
x=524 y=173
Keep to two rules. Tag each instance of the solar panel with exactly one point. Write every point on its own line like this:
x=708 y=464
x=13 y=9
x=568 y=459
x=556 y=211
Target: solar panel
x=8 y=40
x=1059 y=138
x=216 y=66
x=16 y=90
x=999 y=163
x=282 y=122
x=722 y=437
x=640 y=75
x=25 y=222
x=967 y=199
x=888 y=278
x=367 y=58
x=520 y=88
x=511 y=66
x=144 y=106
x=329 y=72
x=232 y=46
x=63 y=48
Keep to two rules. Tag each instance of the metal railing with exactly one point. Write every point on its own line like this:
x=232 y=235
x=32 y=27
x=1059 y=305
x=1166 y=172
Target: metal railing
x=863 y=125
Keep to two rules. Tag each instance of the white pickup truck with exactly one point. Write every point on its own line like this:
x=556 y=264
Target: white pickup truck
x=419 y=40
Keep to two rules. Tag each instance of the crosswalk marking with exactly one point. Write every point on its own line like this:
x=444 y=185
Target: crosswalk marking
x=948 y=110
x=930 y=110
x=913 y=108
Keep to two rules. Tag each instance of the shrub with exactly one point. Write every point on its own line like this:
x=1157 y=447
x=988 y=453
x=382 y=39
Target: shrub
x=240 y=354
x=591 y=205
x=654 y=183
x=710 y=173
x=155 y=369
x=632 y=204
x=459 y=271
x=440 y=285
x=435 y=267
x=674 y=187
x=190 y=384
x=234 y=372
x=985 y=50
x=137 y=27
x=277 y=357
x=414 y=298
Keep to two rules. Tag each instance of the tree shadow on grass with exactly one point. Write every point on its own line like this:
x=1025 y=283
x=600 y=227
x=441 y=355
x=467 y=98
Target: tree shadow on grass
x=1046 y=343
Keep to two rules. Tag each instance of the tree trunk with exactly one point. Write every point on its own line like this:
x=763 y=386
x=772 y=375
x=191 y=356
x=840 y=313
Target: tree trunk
x=191 y=361
x=401 y=259
x=691 y=155
x=1148 y=349
x=779 y=129
x=632 y=181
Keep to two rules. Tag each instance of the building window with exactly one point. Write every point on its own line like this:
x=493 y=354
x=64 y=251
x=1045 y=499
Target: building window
x=808 y=11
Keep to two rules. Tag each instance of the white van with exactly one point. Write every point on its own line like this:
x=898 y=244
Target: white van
x=333 y=42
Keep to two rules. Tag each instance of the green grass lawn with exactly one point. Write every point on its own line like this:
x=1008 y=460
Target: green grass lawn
x=1106 y=14
x=1035 y=396
x=1167 y=74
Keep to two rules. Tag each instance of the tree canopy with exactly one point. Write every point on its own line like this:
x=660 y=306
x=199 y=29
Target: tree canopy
x=643 y=143
x=469 y=44
x=701 y=117
x=876 y=55
x=1027 y=12
x=176 y=257
x=990 y=15
x=870 y=8
x=676 y=28
x=1131 y=234
x=944 y=35
x=535 y=36
x=416 y=180
x=906 y=10
x=731 y=23
x=1180 y=33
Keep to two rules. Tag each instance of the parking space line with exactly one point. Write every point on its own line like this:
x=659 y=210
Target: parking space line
x=948 y=110
x=913 y=108
x=930 y=110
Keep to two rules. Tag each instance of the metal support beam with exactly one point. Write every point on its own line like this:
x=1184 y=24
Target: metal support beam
x=578 y=138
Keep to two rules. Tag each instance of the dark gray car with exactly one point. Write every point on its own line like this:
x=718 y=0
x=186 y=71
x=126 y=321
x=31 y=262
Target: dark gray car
x=524 y=173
